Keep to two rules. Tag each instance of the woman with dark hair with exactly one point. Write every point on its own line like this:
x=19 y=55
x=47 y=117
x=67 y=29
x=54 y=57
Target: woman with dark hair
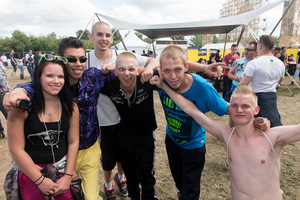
x=46 y=134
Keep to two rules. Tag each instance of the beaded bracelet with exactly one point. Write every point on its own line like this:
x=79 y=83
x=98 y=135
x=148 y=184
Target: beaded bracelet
x=38 y=179
x=41 y=181
x=68 y=174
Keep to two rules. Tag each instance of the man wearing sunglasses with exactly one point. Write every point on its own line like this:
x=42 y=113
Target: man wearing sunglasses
x=262 y=75
x=236 y=72
x=85 y=86
x=108 y=116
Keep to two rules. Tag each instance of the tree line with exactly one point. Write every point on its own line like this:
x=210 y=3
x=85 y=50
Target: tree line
x=20 y=42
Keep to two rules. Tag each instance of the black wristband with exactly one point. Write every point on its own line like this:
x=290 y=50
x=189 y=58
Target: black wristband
x=38 y=179
x=41 y=181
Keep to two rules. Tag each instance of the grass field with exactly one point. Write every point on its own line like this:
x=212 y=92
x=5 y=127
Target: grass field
x=215 y=178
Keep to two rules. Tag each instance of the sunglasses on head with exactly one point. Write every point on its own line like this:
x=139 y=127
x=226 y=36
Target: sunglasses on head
x=74 y=60
x=50 y=57
x=248 y=49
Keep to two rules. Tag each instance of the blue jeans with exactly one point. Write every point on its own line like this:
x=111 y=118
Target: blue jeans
x=21 y=69
x=229 y=93
x=226 y=85
x=30 y=68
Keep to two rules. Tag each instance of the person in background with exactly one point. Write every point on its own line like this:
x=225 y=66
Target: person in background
x=283 y=50
x=47 y=133
x=20 y=65
x=218 y=56
x=262 y=75
x=4 y=87
x=4 y=60
x=237 y=71
x=297 y=68
x=228 y=59
x=13 y=63
x=30 y=63
x=37 y=57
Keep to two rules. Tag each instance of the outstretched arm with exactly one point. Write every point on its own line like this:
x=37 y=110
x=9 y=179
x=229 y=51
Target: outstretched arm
x=286 y=134
x=214 y=127
x=212 y=69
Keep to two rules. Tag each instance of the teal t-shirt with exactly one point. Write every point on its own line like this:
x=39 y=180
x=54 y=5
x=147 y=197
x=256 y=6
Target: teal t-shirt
x=182 y=128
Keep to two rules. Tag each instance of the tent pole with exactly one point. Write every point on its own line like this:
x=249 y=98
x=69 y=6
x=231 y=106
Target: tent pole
x=253 y=34
x=225 y=45
x=86 y=27
x=121 y=40
x=281 y=17
x=153 y=48
x=98 y=17
x=242 y=32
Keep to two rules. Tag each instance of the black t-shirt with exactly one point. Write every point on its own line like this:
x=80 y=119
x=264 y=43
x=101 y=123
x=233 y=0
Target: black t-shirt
x=137 y=113
x=281 y=57
x=36 y=59
x=37 y=141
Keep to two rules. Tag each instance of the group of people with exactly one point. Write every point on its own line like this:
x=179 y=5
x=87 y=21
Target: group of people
x=17 y=61
x=75 y=100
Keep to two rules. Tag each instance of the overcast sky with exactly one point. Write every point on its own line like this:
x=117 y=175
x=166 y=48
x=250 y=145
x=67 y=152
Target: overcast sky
x=65 y=17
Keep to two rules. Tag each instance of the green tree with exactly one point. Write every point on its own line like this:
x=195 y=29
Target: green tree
x=7 y=44
x=148 y=40
x=195 y=42
x=22 y=42
x=276 y=41
x=178 y=38
x=84 y=36
x=216 y=39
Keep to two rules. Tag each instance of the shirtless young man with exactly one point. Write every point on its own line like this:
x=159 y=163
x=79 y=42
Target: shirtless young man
x=254 y=166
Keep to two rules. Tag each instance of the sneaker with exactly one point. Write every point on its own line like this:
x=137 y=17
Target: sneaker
x=122 y=186
x=226 y=165
x=109 y=194
x=2 y=136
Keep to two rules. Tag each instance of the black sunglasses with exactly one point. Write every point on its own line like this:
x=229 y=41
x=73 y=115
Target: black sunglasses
x=248 y=49
x=74 y=60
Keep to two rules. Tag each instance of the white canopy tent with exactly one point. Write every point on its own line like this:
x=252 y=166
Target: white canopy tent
x=133 y=42
x=222 y=25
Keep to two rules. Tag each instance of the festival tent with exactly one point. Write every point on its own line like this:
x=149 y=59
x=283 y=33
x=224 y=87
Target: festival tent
x=133 y=42
x=216 y=26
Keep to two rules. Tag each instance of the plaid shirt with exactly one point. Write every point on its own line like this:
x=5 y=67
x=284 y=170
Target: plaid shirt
x=89 y=87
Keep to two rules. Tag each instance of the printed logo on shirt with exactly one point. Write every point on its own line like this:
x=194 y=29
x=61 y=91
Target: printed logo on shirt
x=179 y=123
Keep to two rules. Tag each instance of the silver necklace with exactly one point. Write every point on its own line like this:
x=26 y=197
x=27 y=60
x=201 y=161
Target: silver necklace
x=128 y=99
x=58 y=130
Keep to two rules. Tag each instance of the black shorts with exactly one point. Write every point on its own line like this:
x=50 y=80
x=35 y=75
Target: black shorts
x=109 y=144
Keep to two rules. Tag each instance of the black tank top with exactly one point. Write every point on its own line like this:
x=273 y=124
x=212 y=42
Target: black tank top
x=38 y=142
